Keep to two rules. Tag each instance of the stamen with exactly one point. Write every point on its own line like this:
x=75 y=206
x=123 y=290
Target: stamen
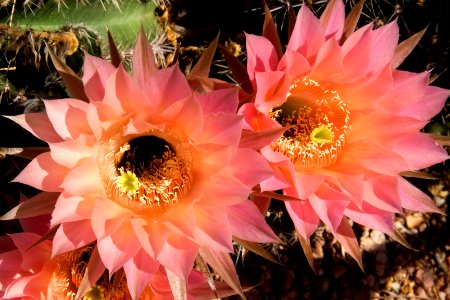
x=317 y=123
x=152 y=171
x=69 y=272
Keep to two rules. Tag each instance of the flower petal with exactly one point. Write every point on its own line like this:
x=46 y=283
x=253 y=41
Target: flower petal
x=248 y=224
x=308 y=35
x=222 y=100
x=96 y=72
x=84 y=178
x=119 y=247
x=261 y=55
x=213 y=229
x=304 y=217
x=139 y=270
x=71 y=208
x=178 y=255
x=68 y=117
x=329 y=205
x=39 y=125
x=43 y=173
x=71 y=236
x=332 y=19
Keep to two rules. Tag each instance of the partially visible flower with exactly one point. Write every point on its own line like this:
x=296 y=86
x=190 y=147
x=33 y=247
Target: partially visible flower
x=351 y=123
x=29 y=272
x=146 y=168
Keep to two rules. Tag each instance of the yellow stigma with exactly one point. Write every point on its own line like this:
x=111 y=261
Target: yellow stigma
x=128 y=182
x=95 y=293
x=317 y=122
x=321 y=135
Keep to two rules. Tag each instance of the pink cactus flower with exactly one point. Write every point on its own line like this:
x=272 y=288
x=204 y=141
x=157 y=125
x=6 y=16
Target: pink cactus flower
x=352 y=123
x=29 y=272
x=148 y=169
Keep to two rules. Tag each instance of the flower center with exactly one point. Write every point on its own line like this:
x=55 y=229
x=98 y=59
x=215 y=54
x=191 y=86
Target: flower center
x=69 y=271
x=147 y=171
x=317 y=123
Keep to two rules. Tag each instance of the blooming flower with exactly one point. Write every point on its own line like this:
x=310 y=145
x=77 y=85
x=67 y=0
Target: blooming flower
x=146 y=168
x=29 y=272
x=351 y=123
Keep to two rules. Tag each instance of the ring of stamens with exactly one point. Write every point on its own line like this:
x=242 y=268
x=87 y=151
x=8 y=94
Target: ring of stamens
x=69 y=271
x=152 y=171
x=317 y=122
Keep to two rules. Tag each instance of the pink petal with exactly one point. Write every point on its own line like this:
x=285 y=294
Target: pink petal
x=407 y=89
x=167 y=86
x=222 y=264
x=357 y=50
x=307 y=184
x=372 y=156
x=70 y=208
x=139 y=270
x=284 y=171
x=70 y=152
x=377 y=126
x=96 y=72
x=256 y=120
x=295 y=65
x=371 y=89
x=122 y=94
x=250 y=167
x=116 y=249
x=84 y=178
x=212 y=158
x=248 y=224
x=39 y=125
x=261 y=55
x=68 y=117
x=108 y=216
x=222 y=129
x=144 y=63
x=152 y=236
x=26 y=286
x=43 y=173
x=180 y=219
x=135 y=126
x=344 y=234
x=329 y=205
x=8 y=265
x=187 y=115
x=429 y=105
x=34 y=258
x=328 y=61
x=419 y=151
x=233 y=192
x=304 y=217
x=414 y=199
x=269 y=92
x=258 y=139
x=384 y=42
x=332 y=19
x=222 y=100
x=71 y=236
x=382 y=192
x=213 y=229
x=308 y=35
x=178 y=255
x=371 y=217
